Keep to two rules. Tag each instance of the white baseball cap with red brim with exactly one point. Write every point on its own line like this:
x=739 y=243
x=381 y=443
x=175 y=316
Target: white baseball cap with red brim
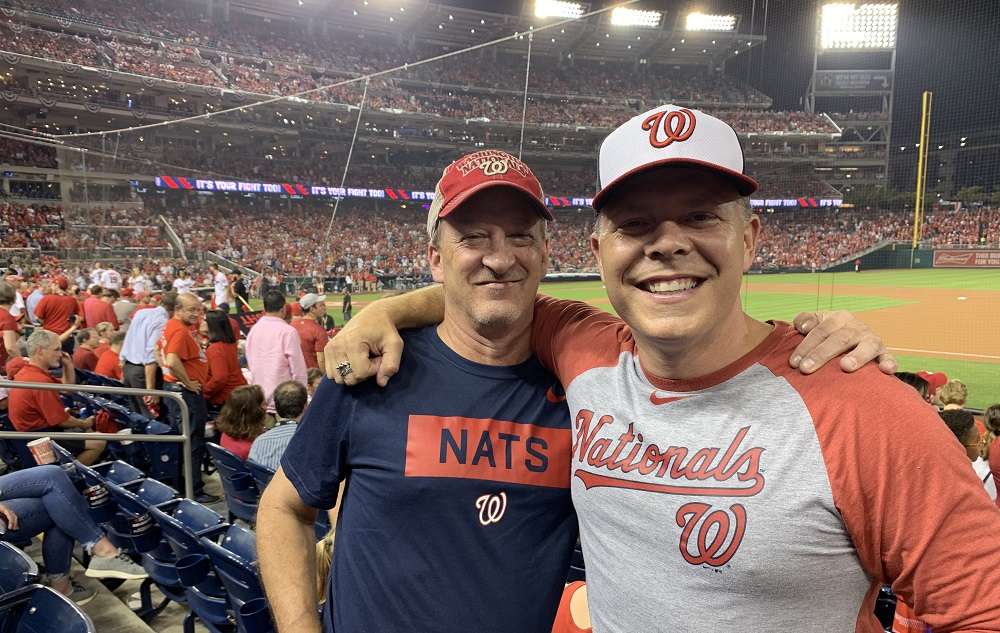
x=671 y=135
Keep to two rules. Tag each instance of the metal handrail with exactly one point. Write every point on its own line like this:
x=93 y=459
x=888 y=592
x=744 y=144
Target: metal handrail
x=184 y=437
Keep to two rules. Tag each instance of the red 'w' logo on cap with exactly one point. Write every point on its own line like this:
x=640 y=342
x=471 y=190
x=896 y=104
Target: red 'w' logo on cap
x=678 y=125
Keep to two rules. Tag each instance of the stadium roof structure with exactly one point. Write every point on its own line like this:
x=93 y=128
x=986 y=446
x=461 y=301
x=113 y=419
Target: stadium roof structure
x=593 y=38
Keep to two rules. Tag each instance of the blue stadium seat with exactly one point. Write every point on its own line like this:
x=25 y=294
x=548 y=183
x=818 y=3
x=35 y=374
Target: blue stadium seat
x=38 y=609
x=237 y=483
x=233 y=555
x=261 y=474
x=16 y=568
x=118 y=472
x=184 y=572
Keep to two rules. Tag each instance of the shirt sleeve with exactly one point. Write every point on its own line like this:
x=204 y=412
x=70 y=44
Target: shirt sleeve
x=316 y=460
x=320 y=339
x=51 y=408
x=217 y=373
x=570 y=337
x=915 y=509
x=293 y=351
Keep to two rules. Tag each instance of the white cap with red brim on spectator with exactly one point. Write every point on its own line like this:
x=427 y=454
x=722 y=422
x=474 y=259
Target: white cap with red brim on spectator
x=481 y=170
x=671 y=135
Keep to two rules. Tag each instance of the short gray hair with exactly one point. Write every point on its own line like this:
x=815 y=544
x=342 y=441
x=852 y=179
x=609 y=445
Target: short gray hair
x=40 y=339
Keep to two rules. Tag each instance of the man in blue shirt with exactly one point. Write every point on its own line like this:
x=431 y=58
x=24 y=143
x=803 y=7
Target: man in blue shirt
x=456 y=516
x=139 y=367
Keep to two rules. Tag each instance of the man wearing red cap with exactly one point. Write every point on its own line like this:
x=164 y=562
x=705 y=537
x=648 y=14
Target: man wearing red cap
x=457 y=514
x=718 y=488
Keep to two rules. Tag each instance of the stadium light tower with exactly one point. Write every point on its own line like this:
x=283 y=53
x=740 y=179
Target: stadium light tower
x=558 y=9
x=623 y=16
x=854 y=62
x=698 y=21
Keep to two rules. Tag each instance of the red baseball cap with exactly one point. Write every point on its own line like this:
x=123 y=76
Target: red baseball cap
x=935 y=380
x=62 y=282
x=480 y=170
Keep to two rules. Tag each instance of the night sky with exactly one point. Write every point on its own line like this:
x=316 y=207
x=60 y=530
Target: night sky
x=951 y=47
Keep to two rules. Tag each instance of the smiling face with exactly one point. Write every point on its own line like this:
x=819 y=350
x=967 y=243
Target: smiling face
x=491 y=253
x=672 y=245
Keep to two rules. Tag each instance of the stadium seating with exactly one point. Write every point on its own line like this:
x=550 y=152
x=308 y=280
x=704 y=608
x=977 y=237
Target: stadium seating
x=17 y=569
x=38 y=609
x=237 y=483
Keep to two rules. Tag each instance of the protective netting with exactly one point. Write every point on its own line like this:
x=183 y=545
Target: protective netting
x=828 y=108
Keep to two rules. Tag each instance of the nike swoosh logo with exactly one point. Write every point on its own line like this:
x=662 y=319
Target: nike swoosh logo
x=553 y=397
x=657 y=400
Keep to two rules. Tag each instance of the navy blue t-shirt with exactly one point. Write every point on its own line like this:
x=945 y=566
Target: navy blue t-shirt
x=456 y=516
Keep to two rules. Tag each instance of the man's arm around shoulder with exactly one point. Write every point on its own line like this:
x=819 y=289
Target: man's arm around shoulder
x=287 y=554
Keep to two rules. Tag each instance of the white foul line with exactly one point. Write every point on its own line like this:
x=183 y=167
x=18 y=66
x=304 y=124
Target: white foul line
x=937 y=353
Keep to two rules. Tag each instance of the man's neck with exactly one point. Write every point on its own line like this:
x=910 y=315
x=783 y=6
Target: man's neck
x=509 y=348
x=277 y=315
x=688 y=359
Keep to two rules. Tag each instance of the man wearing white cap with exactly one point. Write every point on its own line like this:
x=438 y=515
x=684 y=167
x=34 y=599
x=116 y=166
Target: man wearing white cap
x=716 y=487
x=312 y=335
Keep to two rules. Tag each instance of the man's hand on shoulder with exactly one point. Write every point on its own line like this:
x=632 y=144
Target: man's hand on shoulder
x=832 y=333
x=369 y=345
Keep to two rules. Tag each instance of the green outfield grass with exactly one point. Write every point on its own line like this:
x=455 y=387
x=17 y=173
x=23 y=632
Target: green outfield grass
x=833 y=292
x=955 y=278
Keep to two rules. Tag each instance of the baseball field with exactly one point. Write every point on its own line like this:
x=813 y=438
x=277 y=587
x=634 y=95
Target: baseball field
x=935 y=320
x=932 y=319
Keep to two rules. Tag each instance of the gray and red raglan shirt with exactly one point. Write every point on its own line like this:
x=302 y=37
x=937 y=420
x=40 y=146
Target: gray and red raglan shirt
x=757 y=499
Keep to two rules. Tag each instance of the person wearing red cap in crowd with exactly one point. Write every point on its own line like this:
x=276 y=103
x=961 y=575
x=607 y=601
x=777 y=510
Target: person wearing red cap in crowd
x=935 y=380
x=716 y=486
x=313 y=337
x=124 y=306
x=10 y=331
x=59 y=312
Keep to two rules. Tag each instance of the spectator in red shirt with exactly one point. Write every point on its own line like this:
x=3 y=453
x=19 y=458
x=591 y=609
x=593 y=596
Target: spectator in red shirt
x=9 y=329
x=109 y=364
x=98 y=308
x=242 y=419
x=84 y=356
x=184 y=367
x=312 y=336
x=59 y=312
x=103 y=333
x=34 y=410
x=224 y=372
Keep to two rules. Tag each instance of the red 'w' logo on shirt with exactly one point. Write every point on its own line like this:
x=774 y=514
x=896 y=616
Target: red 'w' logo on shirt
x=708 y=536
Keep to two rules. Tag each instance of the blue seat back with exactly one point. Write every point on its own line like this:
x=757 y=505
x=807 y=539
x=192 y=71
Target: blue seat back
x=118 y=472
x=16 y=568
x=184 y=523
x=38 y=609
x=164 y=459
x=153 y=493
x=237 y=483
x=233 y=556
x=261 y=474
